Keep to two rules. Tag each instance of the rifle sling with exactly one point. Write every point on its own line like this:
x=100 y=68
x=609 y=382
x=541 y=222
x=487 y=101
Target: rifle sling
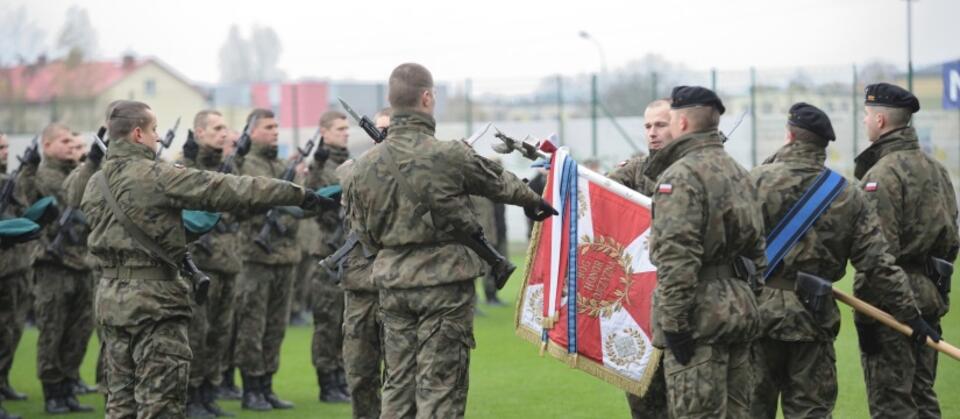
x=138 y=234
x=406 y=189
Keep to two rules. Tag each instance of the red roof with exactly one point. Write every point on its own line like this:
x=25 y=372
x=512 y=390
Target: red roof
x=35 y=83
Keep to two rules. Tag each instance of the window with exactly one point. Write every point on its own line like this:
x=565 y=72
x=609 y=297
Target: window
x=150 y=88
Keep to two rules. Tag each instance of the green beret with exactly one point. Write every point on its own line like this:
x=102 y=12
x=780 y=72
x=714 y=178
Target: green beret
x=199 y=222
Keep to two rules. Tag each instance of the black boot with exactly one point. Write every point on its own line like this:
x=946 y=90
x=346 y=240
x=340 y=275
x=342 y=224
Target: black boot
x=80 y=387
x=342 y=382
x=209 y=398
x=330 y=388
x=252 y=397
x=70 y=399
x=7 y=415
x=195 y=407
x=228 y=388
x=8 y=393
x=270 y=396
x=53 y=401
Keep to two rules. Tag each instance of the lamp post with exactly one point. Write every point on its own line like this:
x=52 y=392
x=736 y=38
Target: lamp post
x=910 y=45
x=603 y=57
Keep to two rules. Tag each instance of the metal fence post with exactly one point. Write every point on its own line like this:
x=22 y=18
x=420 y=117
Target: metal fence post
x=468 y=107
x=854 y=94
x=593 y=115
x=753 y=116
x=560 y=134
x=713 y=79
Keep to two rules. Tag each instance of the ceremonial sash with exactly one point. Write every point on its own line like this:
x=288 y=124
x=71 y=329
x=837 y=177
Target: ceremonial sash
x=825 y=188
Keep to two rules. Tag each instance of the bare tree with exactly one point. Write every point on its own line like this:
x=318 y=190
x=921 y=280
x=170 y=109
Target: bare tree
x=235 y=59
x=78 y=37
x=248 y=60
x=21 y=39
x=265 y=46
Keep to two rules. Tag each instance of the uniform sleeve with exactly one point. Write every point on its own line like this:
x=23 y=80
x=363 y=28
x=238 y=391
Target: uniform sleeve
x=887 y=200
x=76 y=183
x=880 y=281
x=487 y=178
x=677 y=250
x=627 y=173
x=211 y=191
x=355 y=212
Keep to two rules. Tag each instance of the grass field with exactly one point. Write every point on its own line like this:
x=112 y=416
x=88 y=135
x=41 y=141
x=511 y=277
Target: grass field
x=508 y=378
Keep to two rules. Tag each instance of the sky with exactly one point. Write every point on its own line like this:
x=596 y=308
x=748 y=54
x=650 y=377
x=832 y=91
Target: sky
x=510 y=40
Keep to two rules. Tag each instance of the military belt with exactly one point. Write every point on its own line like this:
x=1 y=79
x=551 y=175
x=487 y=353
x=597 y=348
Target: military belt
x=718 y=271
x=781 y=283
x=413 y=246
x=139 y=272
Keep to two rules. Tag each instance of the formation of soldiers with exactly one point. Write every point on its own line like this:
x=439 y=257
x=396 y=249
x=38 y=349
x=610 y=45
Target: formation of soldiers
x=180 y=303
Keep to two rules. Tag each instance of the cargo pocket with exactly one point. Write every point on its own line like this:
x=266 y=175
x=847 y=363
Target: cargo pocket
x=693 y=389
x=460 y=342
x=163 y=371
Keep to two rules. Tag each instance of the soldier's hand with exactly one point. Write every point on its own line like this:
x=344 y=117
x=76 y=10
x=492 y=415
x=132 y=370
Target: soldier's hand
x=321 y=154
x=95 y=155
x=681 y=345
x=540 y=212
x=867 y=335
x=921 y=331
x=314 y=201
x=31 y=157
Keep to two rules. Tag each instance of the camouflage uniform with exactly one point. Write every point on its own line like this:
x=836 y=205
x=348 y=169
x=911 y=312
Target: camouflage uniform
x=917 y=207
x=217 y=255
x=795 y=356
x=362 y=326
x=327 y=346
x=144 y=307
x=15 y=271
x=705 y=215
x=63 y=288
x=308 y=236
x=264 y=288
x=653 y=404
x=425 y=277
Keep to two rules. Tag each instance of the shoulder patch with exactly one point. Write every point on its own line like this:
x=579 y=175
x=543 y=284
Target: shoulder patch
x=665 y=188
x=870 y=186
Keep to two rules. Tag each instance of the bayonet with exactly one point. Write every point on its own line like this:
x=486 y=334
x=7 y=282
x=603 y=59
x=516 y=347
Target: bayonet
x=368 y=126
x=168 y=138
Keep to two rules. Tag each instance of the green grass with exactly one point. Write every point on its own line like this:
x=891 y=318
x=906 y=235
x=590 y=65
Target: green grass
x=508 y=377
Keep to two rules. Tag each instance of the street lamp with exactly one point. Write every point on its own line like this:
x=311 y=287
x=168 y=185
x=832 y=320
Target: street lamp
x=910 y=45
x=603 y=57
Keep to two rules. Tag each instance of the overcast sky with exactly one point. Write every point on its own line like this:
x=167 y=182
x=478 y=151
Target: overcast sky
x=496 y=39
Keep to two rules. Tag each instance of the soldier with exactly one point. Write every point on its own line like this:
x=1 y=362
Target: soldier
x=218 y=255
x=656 y=124
x=706 y=241
x=362 y=327
x=265 y=286
x=63 y=285
x=425 y=274
x=227 y=390
x=15 y=264
x=918 y=216
x=795 y=358
x=142 y=303
x=328 y=296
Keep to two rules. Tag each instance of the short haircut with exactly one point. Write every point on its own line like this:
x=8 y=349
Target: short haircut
x=200 y=120
x=258 y=114
x=110 y=106
x=807 y=136
x=660 y=102
x=407 y=83
x=701 y=117
x=388 y=112
x=50 y=132
x=896 y=117
x=126 y=116
x=326 y=120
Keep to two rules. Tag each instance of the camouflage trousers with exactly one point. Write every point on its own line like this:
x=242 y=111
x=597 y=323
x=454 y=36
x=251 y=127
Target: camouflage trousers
x=63 y=301
x=428 y=335
x=147 y=369
x=14 y=289
x=716 y=383
x=363 y=351
x=263 y=310
x=900 y=378
x=327 y=345
x=302 y=284
x=652 y=405
x=803 y=375
x=210 y=329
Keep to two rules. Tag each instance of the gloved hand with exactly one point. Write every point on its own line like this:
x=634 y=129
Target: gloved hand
x=31 y=157
x=922 y=330
x=191 y=148
x=681 y=345
x=867 y=335
x=95 y=155
x=321 y=154
x=540 y=212
x=314 y=201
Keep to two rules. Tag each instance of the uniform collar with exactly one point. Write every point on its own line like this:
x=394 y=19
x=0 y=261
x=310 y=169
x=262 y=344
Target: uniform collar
x=122 y=148
x=410 y=120
x=63 y=166
x=338 y=154
x=267 y=151
x=680 y=147
x=799 y=152
x=897 y=140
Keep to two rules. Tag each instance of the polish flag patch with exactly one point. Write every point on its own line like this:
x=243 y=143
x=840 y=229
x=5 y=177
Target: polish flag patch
x=665 y=188
x=870 y=186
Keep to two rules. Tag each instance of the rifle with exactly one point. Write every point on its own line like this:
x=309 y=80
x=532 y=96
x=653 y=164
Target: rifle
x=368 y=126
x=272 y=223
x=241 y=147
x=200 y=280
x=73 y=215
x=168 y=138
x=333 y=261
x=9 y=185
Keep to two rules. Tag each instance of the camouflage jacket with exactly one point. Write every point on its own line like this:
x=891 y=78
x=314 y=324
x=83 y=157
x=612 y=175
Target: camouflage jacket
x=357 y=274
x=74 y=187
x=50 y=181
x=848 y=230
x=223 y=242
x=262 y=161
x=330 y=222
x=705 y=214
x=416 y=247
x=631 y=174
x=152 y=194
x=18 y=258
x=917 y=206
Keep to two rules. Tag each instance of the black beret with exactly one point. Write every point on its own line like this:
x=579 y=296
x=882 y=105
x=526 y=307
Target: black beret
x=689 y=96
x=811 y=118
x=885 y=94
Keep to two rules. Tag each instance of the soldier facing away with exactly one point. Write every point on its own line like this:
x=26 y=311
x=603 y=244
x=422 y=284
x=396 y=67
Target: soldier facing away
x=918 y=216
x=408 y=201
x=143 y=304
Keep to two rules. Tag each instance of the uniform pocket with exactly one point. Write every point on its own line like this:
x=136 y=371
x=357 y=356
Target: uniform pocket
x=460 y=342
x=694 y=389
x=163 y=368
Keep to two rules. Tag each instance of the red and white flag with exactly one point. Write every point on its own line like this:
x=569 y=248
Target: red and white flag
x=587 y=296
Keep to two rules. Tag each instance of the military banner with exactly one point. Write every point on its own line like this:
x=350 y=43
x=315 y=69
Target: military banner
x=588 y=290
